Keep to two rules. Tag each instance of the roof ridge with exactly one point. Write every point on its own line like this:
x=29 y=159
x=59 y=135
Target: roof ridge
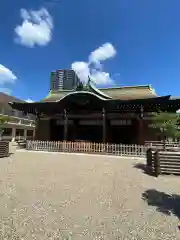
x=121 y=87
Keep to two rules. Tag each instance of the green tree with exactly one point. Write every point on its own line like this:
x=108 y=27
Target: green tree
x=79 y=87
x=3 y=120
x=82 y=87
x=167 y=124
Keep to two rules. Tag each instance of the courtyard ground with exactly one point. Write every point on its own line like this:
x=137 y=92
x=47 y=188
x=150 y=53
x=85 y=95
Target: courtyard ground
x=66 y=196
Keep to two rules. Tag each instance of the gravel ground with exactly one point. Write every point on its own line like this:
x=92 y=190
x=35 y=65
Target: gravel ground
x=60 y=196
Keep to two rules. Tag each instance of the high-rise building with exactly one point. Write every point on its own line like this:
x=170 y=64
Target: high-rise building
x=64 y=80
x=53 y=81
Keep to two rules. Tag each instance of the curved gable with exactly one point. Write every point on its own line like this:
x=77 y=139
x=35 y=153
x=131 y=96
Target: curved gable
x=81 y=95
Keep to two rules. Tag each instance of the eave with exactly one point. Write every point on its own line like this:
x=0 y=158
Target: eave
x=85 y=100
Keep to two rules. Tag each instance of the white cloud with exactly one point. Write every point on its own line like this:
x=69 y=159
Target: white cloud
x=101 y=78
x=6 y=75
x=36 y=28
x=29 y=100
x=82 y=70
x=94 y=67
x=102 y=53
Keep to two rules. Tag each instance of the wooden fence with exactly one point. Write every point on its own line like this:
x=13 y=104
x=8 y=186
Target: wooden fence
x=159 y=145
x=163 y=162
x=88 y=147
x=4 y=148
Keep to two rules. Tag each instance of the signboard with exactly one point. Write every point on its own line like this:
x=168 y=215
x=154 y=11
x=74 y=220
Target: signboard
x=97 y=122
x=90 y=122
x=122 y=122
x=122 y=115
x=61 y=122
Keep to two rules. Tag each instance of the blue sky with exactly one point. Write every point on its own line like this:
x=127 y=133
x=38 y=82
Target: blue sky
x=120 y=42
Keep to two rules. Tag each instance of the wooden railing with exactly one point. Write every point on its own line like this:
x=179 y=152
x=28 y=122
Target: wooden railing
x=17 y=138
x=21 y=138
x=20 y=120
x=163 y=162
x=88 y=147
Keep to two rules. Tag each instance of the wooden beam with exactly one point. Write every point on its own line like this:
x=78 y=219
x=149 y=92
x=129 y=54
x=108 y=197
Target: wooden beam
x=65 y=125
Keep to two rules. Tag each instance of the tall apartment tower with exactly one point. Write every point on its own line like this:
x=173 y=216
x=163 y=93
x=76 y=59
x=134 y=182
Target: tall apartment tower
x=65 y=79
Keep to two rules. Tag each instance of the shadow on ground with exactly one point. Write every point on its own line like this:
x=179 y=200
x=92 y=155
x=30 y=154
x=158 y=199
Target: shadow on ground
x=144 y=168
x=164 y=203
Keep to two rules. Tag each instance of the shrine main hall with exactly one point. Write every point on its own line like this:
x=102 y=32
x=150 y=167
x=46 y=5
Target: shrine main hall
x=113 y=115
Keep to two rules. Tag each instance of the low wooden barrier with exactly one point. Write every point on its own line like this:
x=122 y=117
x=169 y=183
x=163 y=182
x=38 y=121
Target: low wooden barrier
x=4 y=148
x=88 y=147
x=149 y=158
x=159 y=145
x=163 y=162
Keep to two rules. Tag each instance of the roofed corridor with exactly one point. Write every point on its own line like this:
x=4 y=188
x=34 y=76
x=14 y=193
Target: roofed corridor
x=67 y=196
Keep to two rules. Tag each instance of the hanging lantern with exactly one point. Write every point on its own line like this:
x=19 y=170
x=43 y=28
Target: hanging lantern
x=141 y=112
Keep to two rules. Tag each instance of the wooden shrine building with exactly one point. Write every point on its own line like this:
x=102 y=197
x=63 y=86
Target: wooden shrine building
x=116 y=115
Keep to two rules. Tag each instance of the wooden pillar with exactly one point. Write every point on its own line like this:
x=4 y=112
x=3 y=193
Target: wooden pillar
x=104 y=126
x=37 y=127
x=13 y=134
x=76 y=129
x=65 y=125
x=108 y=130
x=141 y=127
x=25 y=134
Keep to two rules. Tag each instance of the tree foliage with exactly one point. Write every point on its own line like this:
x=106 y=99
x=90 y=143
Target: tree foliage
x=167 y=123
x=82 y=87
x=4 y=119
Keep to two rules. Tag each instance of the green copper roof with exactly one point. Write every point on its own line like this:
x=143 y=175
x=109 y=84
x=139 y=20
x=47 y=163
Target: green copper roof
x=122 y=93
